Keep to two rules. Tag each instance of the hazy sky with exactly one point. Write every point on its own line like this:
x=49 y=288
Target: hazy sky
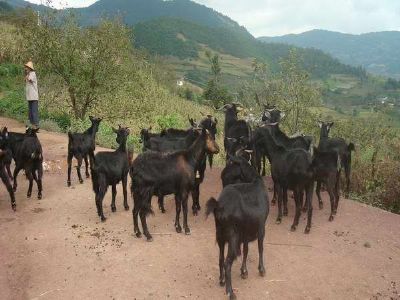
x=277 y=17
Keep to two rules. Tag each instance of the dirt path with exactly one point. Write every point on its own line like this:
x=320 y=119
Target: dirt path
x=56 y=248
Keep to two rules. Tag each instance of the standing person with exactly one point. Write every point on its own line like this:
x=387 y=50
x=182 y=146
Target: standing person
x=32 y=94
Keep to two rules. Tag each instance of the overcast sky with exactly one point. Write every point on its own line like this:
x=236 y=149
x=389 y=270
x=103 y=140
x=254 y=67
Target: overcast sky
x=278 y=17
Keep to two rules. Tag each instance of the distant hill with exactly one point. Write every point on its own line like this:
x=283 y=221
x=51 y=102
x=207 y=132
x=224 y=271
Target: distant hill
x=5 y=7
x=377 y=52
x=180 y=28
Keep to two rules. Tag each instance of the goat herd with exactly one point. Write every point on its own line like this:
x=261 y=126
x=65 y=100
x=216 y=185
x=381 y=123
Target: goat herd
x=174 y=162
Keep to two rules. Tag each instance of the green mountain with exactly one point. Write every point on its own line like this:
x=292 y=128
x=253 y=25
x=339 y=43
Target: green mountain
x=185 y=29
x=377 y=52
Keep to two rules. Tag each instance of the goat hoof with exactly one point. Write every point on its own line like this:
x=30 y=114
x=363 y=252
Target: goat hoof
x=149 y=238
x=80 y=181
x=87 y=175
x=321 y=205
x=103 y=219
x=278 y=221
x=273 y=202
x=293 y=228
x=113 y=209
x=221 y=282
x=304 y=209
x=232 y=296
x=138 y=234
x=14 y=207
x=39 y=196
x=261 y=271
x=285 y=213
x=163 y=211
x=126 y=207
x=195 y=213
x=330 y=218
x=307 y=230
x=14 y=189
x=29 y=195
x=244 y=274
x=68 y=183
x=178 y=229
x=187 y=231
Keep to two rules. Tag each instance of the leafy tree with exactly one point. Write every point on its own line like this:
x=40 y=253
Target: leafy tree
x=89 y=61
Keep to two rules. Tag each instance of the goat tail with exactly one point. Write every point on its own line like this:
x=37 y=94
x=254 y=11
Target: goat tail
x=211 y=206
x=351 y=147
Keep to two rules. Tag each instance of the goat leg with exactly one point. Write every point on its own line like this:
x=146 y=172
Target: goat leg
x=178 y=227
x=146 y=232
x=125 y=192
x=114 y=194
x=8 y=167
x=221 y=245
x=298 y=200
x=261 y=234
x=69 y=161
x=135 y=213
x=228 y=268
x=185 y=213
x=7 y=183
x=78 y=169
x=309 y=193
x=161 y=203
x=38 y=179
x=331 y=198
x=243 y=270
x=86 y=167
x=15 y=175
x=280 y=196
x=30 y=178
x=195 y=198
x=318 y=192
x=285 y=202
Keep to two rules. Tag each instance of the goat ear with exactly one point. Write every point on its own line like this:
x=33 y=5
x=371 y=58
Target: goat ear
x=319 y=124
x=150 y=128
x=331 y=124
x=215 y=120
x=224 y=107
x=114 y=130
x=282 y=115
x=233 y=140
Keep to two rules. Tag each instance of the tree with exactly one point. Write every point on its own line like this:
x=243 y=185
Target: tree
x=88 y=60
x=295 y=94
x=214 y=91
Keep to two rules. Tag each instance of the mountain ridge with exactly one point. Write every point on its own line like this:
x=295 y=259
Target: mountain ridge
x=377 y=52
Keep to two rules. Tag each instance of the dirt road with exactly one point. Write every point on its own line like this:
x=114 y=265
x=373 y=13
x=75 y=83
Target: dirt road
x=56 y=248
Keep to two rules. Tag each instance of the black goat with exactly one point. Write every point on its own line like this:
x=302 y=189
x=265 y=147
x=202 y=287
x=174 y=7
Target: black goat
x=240 y=215
x=158 y=174
x=145 y=136
x=341 y=147
x=11 y=141
x=237 y=133
x=290 y=169
x=232 y=172
x=210 y=124
x=109 y=168
x=327 y=171
x=272 y=117
x=29 y=157
x=81 y=146
x=171 y=139
x=6 y=179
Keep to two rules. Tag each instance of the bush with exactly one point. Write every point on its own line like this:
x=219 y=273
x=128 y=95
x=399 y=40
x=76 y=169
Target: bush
x=169 y=121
